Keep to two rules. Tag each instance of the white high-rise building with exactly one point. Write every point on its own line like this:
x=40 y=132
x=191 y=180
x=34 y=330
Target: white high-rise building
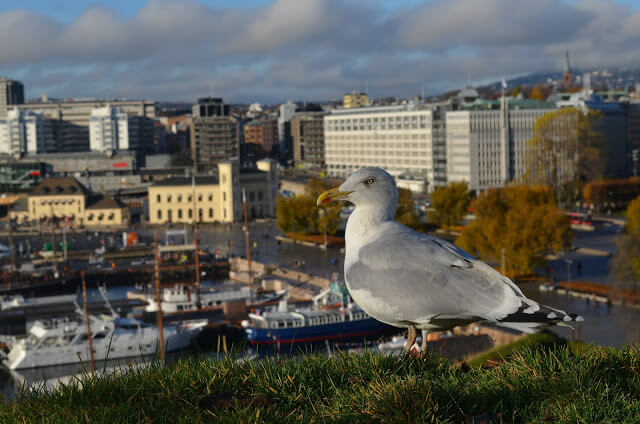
x=110 y=130
x=396 y=138
x=24 y=132
x=486 y=148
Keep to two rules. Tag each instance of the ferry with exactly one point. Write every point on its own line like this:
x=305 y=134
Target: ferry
x=332 y=318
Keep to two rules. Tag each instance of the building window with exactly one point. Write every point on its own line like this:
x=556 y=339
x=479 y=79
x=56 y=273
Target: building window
x=190 y=213
x=179 y=213
x=179 y=198
x=211 y=197
x=224 y=196
x=189 y=198
x=210 y=212
x=169 y=198
x=159 y=214
x=199 y=197
x=252 y=196
x=158 y=198
x=169 y=215
x=259 y=195
x=225 y=213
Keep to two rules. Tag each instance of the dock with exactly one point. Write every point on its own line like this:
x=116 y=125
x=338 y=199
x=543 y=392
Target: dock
x=300 y=284
x=599 y=293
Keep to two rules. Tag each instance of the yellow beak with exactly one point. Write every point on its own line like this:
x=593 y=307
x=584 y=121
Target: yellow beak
x=331 y=196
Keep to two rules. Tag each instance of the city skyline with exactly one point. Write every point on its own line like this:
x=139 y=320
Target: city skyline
x=272 y=51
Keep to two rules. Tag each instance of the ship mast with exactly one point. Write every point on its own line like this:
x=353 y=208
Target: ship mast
x=86 y=318
x=246 y=239
x=158 y=296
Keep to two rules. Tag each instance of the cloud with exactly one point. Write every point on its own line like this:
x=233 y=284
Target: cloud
x=306 y=50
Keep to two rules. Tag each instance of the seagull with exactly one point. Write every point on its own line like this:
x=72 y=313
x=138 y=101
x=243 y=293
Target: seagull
x=412 y=280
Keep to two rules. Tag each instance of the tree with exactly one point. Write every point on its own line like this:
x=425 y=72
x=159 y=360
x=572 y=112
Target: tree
x=565 y=152
x=524 y=221
x=449 y=204
x=405 y=213
x=517 y=90
x=627 y=261
x=537 y=93
x=300 y=214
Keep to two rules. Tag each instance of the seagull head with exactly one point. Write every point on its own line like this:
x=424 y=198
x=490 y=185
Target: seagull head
x=365 y=188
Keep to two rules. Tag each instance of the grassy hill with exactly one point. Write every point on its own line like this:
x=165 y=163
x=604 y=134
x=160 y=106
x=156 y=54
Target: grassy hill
x=542 y=383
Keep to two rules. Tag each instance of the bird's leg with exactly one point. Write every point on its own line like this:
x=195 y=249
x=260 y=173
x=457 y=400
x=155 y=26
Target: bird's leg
x=411 y=339
x=423 y=346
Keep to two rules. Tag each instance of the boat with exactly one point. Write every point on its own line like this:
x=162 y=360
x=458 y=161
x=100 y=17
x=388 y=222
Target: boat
x=333 y=317
x=180 y=298
x=65 y=341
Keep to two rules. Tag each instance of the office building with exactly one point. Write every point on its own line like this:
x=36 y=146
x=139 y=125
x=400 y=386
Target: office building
x=71 y=120
x=355 y=99
x=612 y=126
x=215 y=135
x=11 y=93
x=486 y=147
x=263 y=132
x=396 y=138
x=215 y=198
x=25 y=132
x=307 y=132
x=111 y=131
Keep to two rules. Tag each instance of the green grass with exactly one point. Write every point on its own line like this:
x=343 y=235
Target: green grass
x=554 y=384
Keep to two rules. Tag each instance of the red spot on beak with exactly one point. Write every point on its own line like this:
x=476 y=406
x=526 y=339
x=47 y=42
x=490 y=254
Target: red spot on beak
x=326 y=200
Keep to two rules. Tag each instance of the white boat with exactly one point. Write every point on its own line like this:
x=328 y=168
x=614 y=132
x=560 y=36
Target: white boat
x=181 y=298
x=65 y=341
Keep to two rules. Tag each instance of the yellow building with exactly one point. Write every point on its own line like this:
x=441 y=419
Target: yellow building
x=355 y=99
x=215 y=198
x=66 y=199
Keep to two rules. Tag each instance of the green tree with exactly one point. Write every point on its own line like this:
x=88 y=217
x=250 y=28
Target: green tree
x=300 y=214
x=627 y=261
x=537 y=93
x=406 y=213
x=524 y=221
x=565 y=152
x=449 y=204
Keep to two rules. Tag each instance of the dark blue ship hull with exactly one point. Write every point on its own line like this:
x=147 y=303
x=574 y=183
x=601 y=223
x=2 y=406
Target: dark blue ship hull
x=342 y=331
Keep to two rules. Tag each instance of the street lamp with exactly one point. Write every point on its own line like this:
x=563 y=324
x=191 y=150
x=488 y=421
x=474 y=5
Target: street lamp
x=569 y=262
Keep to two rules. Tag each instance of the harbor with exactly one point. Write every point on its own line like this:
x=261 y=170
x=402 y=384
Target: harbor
x=238 y=290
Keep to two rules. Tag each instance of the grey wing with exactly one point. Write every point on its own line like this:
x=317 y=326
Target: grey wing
x=422 y=277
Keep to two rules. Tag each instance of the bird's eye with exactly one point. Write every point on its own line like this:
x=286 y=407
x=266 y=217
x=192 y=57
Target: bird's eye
x=369 y=181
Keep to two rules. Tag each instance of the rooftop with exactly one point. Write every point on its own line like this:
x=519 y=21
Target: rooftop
x=104 y=202
x=187 y=181
x=62 y=186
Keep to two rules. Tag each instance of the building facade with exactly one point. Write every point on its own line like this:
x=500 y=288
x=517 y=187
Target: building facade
x=263 y=132
x=66 y=199
x=25 y=132
x=396 y=138
x=11 y=93
x=71 y=120
x=215 y=135
x=215 y=198
x=307 y=131
x=355 y=99
x=111 y=130
x=486 y=148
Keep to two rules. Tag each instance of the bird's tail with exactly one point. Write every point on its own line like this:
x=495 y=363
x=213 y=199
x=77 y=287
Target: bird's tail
x=532 y=317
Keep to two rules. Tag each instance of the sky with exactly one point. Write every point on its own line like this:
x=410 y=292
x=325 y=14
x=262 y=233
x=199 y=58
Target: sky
x=270 y=51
